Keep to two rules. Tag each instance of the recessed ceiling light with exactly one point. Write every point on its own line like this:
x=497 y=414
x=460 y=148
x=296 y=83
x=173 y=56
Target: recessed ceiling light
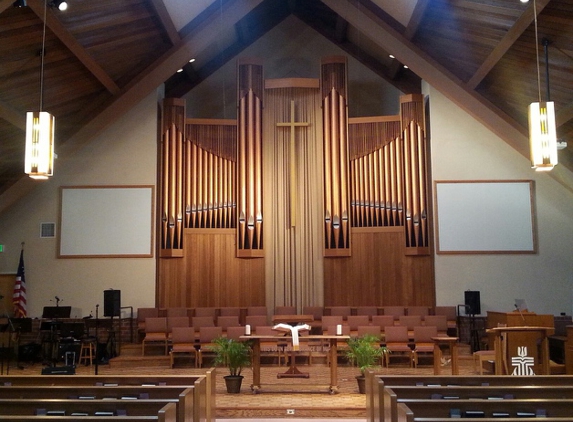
x=406 y=67
x=191 y=60
x=391 y=56
x=180 y=70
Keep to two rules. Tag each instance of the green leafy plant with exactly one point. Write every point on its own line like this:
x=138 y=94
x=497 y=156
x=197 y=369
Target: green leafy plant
x=233 y=354
x=364 y=351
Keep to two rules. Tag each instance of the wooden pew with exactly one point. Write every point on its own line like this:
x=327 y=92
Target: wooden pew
x=193 y=394
x=441 y=408
x=477 y=380
x=484 y=392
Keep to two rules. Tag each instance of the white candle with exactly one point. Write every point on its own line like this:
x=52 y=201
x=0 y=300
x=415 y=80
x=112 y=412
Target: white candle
x=339 y=330
x=247 y=330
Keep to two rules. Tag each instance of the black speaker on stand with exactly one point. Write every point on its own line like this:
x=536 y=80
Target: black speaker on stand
x=112 y=308
x=473 y=307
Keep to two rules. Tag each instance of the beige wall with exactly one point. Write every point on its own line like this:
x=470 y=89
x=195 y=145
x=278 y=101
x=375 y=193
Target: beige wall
x=124 y=154
x=463 y=149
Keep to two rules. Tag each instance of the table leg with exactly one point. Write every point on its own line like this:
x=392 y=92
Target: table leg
x=333 y=366
x=256 y=365
x=437 y=359
x=454 y=352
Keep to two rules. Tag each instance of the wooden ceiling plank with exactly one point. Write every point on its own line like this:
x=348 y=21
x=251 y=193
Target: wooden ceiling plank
x=5 y=4
x=166 y=21
x=524 y=21
x=14 y=117
x=75 y=48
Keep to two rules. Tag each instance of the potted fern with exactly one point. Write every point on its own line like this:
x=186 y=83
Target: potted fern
x=364 y=352
x=235 y=355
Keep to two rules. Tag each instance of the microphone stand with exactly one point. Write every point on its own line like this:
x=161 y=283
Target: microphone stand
x=96 y=340
x=519 y=310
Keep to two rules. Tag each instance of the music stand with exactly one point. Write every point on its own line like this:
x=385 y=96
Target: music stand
x=56 y=312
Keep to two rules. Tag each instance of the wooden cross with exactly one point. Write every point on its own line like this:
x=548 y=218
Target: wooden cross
x=292 y=125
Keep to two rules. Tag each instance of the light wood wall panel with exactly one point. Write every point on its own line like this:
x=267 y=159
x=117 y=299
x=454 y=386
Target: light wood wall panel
x=210 y=274
x=379 y=272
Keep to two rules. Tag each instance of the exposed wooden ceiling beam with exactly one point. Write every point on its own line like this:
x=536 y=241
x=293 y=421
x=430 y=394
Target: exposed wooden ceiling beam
x=436 y=75
x=526 y=18
x=5 y=4
x=564 y=114
x=76 y=48
x=166 y=21
x=139 y=88
x=14 y=117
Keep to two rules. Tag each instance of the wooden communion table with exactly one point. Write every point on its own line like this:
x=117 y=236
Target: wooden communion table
x=293 y=372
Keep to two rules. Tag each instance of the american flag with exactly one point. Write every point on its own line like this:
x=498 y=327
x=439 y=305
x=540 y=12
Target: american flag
x=19 y=296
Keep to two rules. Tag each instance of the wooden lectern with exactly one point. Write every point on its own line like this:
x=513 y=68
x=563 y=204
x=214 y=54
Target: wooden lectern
x=520 y=342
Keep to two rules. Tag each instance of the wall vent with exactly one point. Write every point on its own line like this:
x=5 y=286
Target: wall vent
x=47 y=230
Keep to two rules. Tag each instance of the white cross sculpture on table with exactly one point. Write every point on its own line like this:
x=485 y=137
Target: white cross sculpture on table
x=294 y=332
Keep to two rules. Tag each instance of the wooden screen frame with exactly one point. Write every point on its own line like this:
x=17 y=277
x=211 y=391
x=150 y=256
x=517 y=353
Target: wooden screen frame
x=508 y=208
x=106 y=243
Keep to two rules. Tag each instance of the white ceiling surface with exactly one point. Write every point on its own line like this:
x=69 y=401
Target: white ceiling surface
x=184 y=11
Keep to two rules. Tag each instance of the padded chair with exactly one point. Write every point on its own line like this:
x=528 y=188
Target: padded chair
x=257 y=310
x=395 y=311
x=230 y=311
x=438 y=321
x=343 y=311
x=228 y=321
x=155 y=332
x=317 y=312
x=410 y=321
x=202 y=321
x=143 y=313
x=183 y=342
x=206 y=312
x=451 y=317
x=256 y=320
x=354 y=321
x=235 y=333
x=176 y=312
x=373 y=330
x=285 y=310
x=382 y=320
x=206 y=337
x=397 y=344
x=423 y=343
x=272 y=348
x=367 y=310
x=482 y=356
x=418 y=310
x=178 y=321
x=329 y=321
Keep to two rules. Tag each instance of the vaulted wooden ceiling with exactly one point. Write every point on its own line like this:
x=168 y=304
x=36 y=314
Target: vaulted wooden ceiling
x=103 y=56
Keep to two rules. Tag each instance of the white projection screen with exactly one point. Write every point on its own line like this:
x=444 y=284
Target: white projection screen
x=106 y=221
x=485 y=217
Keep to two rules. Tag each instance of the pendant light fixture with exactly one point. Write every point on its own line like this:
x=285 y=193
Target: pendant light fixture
x=39 y=159
x=542 y=128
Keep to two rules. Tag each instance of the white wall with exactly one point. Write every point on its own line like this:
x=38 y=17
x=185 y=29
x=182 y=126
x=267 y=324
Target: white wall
x=124 y=154
x=463 y=149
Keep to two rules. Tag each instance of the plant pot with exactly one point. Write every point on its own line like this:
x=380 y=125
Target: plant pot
x=233 y=383
x=361 y=380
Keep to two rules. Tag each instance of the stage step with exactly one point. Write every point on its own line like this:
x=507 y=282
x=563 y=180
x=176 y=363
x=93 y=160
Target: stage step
x=139 y=361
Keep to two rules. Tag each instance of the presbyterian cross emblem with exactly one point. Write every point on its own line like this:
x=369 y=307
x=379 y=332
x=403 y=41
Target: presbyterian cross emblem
x=523 y=364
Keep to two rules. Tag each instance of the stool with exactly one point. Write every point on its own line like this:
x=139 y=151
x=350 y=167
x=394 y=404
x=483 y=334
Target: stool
x=482 y=356
x=87 y=352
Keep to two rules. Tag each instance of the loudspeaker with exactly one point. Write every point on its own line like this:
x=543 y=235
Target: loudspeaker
x=472 y=302
x=111 y=303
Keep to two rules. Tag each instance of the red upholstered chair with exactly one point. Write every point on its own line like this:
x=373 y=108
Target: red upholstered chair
x=423 y=343
x=397 y=344
x=356 y=320
x=418 y=310
x=257 y=310
x=178 y=321
x=410 y=321
x=329 y=321
x=438 y=321
x=228 y=321
x=143 y=313
x=176 y=312
x=202 y=321
x=395 y=311
x=383 y=320
x=256 y=320
x=367 y=310
x=206 y=312
x=343 y=311
x=155 y=332
x=285 y=310
x=183 y=342
x=206 y=337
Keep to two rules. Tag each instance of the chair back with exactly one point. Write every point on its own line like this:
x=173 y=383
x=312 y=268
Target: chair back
x=424 y=334
x=368 y=329
x=202 y=321
x=156 y=325
x=183 y=335
x=230 y=311
x=256 y=320
x=208 y=334
x=179 y=321
x=343 y=311
x=176 y=312
x=228 y=321
x=316 y=311
x=203 y=312
x=356 y=320
x=235 y=333
x=257 y=310
x=143 y=313
x=418 y=310
x=396 y=334
x=285 y=310
x=448 y=311
x=367 y=310
x=383 y=320
x=395 y=311
x=331 y=321
x=410 y=321
x=266 y=330
x=438 y=321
